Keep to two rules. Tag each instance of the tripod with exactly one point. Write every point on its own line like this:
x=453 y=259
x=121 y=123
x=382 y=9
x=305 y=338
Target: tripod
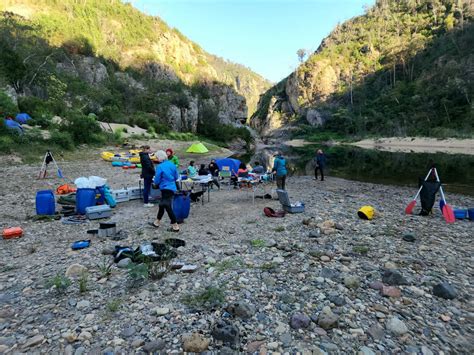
x=48 y=158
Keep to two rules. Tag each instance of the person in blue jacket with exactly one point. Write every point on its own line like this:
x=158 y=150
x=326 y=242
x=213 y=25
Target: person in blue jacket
x=279 y=168
x=165 y=179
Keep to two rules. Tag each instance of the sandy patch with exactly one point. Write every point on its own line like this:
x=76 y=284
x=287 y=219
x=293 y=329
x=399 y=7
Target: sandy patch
x=419 y=145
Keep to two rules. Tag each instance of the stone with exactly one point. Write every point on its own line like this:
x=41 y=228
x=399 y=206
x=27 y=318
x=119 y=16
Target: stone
x=314 y=234
x=390 y=291
x=36 y=340
x=278 y=260
x=124 y=263
x=376 y=332
x=366 y=351
x=351 y=281
x=137 y=343
x=161 y=311
x=128 y=332
x=337 y=300
x=376 y=285
x=272 y=345
x=254 y=346
x=444 y=290
x=153 y=346
x=409 y=237
x=396 y=326
x=226 y=332
x=327 y=320
x=108 y=250
x=393 y=278
x=75 y=270
x=299 y=321
x=328 y=273
x=325 y=258
x=70 y=337
x=241 y=310
x=195 y=342
x=286 y=339
x=83 y=304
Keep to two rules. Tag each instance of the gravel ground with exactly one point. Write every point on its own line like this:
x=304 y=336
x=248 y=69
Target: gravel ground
x=323 y=281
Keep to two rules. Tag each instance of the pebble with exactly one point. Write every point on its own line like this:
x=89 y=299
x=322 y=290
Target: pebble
x=153 y=346
x=444 y=290
x=226 y=332
x=195 y=343
x=396 y=326
x=351 y=282
x=83 y=304
x=299 y=321
x=327 y=320
x=36 y=340
x=75 y=270
x=390 y=291
x=161 y=311
x=124 y=263
x=393 y=277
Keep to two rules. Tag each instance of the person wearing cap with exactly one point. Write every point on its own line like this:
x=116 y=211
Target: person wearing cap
x=279 y=168
x=148 y=172
x=172 y=158
x=165 y=179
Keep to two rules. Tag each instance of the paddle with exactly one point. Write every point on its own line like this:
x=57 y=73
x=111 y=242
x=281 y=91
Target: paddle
x=446 y=209
x=411 y=205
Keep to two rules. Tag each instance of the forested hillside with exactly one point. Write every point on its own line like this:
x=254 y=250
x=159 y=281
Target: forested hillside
x=403 y=68
x=104 y=60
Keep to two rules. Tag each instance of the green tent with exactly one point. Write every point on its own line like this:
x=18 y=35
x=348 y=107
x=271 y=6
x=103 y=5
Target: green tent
x=197 y=148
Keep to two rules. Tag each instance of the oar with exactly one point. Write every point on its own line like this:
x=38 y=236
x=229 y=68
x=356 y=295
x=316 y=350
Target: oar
x=446 y=209
x=411 y=205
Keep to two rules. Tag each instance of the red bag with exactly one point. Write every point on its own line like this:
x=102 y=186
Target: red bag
x=270 y=212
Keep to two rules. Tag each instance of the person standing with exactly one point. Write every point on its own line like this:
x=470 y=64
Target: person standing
x=279 y=168
x=214 y=170
x=172 y=158
x=148 y=172
x=165 y=179
x=320 y=164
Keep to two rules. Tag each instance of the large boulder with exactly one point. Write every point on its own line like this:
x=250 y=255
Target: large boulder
x=91 y=70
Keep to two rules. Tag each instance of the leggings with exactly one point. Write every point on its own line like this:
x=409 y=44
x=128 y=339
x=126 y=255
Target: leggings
x=166 y=204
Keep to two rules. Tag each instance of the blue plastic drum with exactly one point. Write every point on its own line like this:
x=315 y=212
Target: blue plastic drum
x=84 y=198
x=181 y=206
x=45 y=203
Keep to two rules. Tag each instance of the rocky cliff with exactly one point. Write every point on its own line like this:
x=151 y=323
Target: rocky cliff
x=113 y=47
x=405 y=67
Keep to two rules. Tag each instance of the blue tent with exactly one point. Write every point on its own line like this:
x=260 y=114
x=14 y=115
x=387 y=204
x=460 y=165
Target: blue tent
x=232 y=164
x=22 y=118
x=13 y=125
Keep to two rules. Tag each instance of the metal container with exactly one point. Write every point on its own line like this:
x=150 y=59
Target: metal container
x=107 y=229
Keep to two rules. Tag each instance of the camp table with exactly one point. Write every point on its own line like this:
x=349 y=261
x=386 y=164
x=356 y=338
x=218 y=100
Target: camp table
x=204 y=181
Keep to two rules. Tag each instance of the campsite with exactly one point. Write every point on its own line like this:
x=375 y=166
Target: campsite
x=305 y=281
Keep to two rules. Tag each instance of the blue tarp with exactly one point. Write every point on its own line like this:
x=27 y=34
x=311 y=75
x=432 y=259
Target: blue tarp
x=22 y=118
x=13 y=125
x=233 y=164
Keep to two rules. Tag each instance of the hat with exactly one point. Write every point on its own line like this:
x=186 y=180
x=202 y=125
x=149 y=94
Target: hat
x=366 y=212
x=276 y=153
x=169 y=150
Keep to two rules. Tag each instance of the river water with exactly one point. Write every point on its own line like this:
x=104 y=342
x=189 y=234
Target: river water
x=456 y=171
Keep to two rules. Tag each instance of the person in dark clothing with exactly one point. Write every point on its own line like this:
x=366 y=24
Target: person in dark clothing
x=214 y=170
x=148 y=172
x=203 y=170
x=258 y=169
x=320 y=164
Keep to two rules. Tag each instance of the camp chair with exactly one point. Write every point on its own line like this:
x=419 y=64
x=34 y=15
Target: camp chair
x=225 y=176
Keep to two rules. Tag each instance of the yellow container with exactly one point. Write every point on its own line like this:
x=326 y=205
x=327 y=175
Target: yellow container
x=366 y=212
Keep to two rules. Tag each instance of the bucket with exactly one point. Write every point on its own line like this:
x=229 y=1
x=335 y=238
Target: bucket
x=84 y=198
x=470 y=213
x=460 y=214
x=181 y=206
x=100 y=194
x=45 y=203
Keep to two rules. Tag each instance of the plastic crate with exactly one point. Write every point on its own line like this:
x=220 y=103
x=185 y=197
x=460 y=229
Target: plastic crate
x=135 y=193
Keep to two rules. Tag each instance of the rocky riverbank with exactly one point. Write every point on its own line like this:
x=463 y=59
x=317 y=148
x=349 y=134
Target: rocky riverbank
x=322 y=281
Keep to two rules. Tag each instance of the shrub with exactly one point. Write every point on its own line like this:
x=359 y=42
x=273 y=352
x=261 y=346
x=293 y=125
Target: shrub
x=62 y=139
x=82 y=128
x=38 y=109
x=209 y=297
x=7 y=107
x=59 y=282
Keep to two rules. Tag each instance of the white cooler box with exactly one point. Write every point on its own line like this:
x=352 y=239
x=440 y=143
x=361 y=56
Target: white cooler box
x=135 y=193
x=96 y=212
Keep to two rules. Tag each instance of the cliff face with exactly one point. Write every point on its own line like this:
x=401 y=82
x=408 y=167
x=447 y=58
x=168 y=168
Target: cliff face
x=108 y=43
x=405 y=67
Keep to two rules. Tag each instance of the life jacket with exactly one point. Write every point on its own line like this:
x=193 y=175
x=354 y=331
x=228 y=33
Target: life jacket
x=65 y=189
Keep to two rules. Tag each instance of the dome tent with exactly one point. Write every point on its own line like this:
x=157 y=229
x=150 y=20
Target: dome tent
x=22 y=118
x=197 y=148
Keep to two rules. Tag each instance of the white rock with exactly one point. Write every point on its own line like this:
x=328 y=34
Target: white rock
x=396 y=326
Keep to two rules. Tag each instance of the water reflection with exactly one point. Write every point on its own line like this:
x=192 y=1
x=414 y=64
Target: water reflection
x=456 y=171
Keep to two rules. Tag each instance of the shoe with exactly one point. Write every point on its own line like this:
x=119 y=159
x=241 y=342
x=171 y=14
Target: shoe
x=148 y=205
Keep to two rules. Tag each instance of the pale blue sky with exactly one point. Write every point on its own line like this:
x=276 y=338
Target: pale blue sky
x=263 y=35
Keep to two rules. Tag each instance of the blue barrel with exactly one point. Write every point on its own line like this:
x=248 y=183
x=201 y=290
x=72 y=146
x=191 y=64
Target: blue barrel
x=84 y=198
x=470 y=213
x=100 y=194
x=45 y=203
x=181 y=206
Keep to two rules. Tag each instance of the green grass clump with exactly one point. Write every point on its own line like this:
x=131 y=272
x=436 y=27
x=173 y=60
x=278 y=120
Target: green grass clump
x=361 y=249
x=59 y=282
x=211 y=296
x=258 y=243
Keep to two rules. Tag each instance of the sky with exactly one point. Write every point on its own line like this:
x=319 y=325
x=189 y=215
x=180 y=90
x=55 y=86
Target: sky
x=263 y=35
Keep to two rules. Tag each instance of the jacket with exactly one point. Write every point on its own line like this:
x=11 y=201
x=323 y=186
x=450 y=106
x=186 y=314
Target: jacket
x=214 y=169
x=174 y=159
x=279 y=166
x=321 y=160
x=166 y=176
x=148 y=169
